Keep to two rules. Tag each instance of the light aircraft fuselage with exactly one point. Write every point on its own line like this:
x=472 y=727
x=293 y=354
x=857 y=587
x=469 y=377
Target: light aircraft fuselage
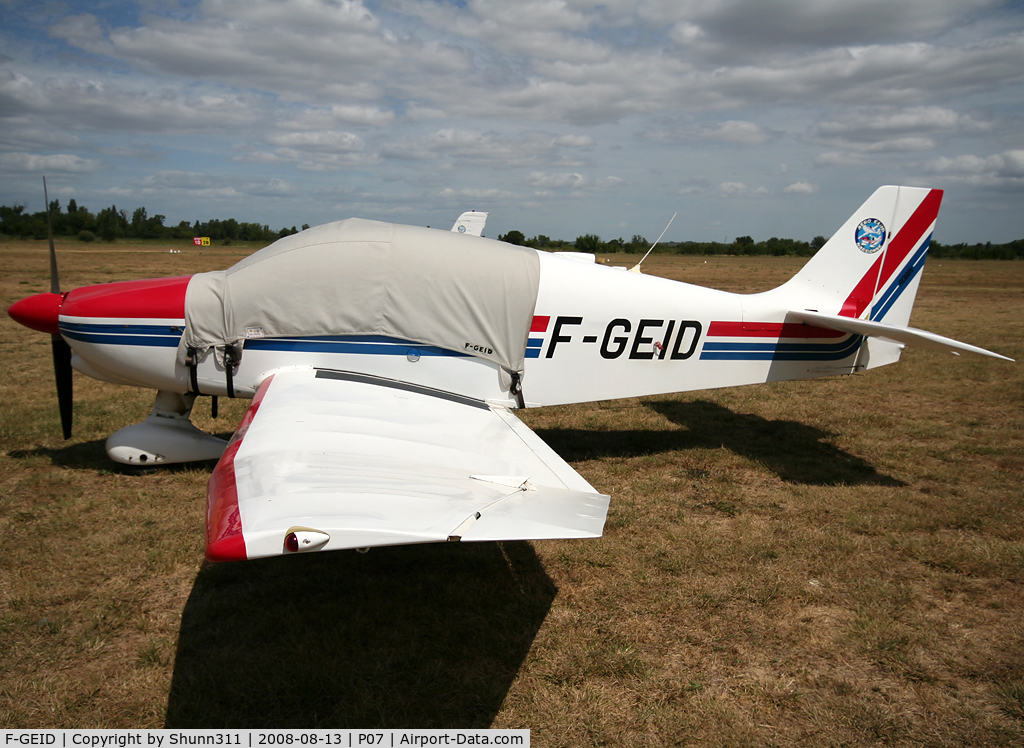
x=418 y=441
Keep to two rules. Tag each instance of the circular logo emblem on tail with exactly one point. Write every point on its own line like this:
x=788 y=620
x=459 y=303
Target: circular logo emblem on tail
x=870 y=235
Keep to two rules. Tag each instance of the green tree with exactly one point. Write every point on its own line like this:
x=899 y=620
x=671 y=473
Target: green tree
x=112 y=223
x=588 y=243
x=139 y=222
x=638 y=244
x=513 y=237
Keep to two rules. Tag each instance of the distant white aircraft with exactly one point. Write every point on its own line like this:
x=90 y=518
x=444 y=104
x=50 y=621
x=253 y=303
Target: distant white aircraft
x=384 y=364
x=471 y=223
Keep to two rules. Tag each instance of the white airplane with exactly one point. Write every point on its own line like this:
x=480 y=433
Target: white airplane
x=384 y=363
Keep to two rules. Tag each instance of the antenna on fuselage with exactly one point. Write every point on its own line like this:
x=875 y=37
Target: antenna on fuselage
x=636 y=268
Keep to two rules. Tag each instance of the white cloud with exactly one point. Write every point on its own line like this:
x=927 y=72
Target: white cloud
x=575 y=141
x=306 y=159
x=323 y=118
x=325 y=50
x=107 y=103
x=729 y=131
x=523 y=148
x=567 y=181
x=684 y=33
x=477 y=194
x=570 y=181
x=83 y=31
x=1000 y=169
x=271 y=188
x=801 y=188
x=32 y=163
x=889 y=129
x=138 y=152
x=541 y=60
x=203 y=185
x=410 y=98
x=323 y=141
x=21 y=133
x=736 y=131
x=739 y=189
x=841 y=159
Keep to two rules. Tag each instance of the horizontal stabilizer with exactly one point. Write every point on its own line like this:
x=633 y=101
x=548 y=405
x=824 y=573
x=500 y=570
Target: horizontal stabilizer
x=905 y=335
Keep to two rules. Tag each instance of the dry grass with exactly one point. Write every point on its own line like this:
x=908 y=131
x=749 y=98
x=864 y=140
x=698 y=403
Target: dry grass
x=831 y=562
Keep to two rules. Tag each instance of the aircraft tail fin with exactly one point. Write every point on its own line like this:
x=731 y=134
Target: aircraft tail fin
x=471 y=222
x=865 y=279
x=871 y=268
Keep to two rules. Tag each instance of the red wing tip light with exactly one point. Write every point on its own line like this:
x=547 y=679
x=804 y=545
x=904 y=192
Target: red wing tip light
x=302 y=539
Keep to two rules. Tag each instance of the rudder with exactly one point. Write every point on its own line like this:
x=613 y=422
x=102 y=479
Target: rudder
x=870 y=268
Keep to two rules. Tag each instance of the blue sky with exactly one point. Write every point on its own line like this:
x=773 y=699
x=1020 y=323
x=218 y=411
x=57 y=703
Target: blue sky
x=560 y=117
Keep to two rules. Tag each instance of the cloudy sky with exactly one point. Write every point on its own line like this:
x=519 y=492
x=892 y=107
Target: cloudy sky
x=759 y=117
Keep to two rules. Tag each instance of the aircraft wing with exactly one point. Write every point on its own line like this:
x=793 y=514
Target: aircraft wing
x=905 y=335
x=343 y=460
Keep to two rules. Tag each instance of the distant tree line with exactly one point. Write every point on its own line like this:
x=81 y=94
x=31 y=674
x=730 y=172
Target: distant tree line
x=111 y=224
x=988 y=251
x=745 y=245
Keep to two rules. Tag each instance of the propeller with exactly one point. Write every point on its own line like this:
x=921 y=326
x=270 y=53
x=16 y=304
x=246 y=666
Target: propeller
x=60 y=348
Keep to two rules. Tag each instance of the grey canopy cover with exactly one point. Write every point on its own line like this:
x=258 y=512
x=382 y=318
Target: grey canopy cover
x=357 y=277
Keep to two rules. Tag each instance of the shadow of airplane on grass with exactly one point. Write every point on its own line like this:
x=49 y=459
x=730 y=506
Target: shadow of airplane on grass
x=411 y=636
x=797 y=453
x=423 y=635
x=77 y=455
x=93 y=456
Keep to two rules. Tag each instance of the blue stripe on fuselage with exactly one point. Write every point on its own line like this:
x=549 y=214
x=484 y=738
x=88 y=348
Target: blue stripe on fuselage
x=780 y=351
x=169 y=337
x=360 y=344
x=164 y=336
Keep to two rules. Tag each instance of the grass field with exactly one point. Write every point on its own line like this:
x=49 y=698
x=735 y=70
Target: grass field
x=831 y=562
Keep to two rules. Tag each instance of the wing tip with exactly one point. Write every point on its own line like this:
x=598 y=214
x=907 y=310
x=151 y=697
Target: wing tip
x=227 y=548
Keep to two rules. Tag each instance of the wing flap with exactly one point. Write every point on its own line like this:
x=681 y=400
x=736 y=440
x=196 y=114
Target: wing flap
x=374 y=462
x=540 y=513
x=905 y=335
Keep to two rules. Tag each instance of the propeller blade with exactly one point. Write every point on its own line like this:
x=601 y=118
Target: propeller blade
x=61 y=350
x=54 y=276
x=62 y=375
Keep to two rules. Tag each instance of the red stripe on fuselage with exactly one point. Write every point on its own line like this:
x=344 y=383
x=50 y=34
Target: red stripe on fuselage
x=158 y=298
x=540 y=324
x=224 y=538
x=769 y=330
